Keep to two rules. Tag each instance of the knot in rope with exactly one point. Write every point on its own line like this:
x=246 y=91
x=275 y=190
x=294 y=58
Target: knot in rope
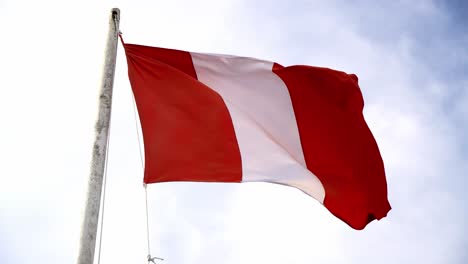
x=151 y=259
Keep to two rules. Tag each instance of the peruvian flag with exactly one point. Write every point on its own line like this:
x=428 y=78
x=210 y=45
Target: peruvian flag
x=218 y=118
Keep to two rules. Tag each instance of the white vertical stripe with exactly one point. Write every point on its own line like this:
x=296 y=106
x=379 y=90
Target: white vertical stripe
x=264 y=120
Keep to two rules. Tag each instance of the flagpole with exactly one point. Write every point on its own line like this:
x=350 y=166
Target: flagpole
x=93 y=199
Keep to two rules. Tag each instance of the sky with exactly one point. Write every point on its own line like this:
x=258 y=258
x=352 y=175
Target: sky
x=411 y=57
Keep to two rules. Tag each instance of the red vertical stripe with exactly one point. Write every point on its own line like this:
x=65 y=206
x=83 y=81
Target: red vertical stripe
x=187 y=129
x=338 y=146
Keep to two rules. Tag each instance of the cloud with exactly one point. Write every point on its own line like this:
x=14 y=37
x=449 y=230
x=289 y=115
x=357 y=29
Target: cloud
x=409 y=67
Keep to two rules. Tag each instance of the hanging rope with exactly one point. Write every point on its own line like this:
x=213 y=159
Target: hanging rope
x=149 y=258
x=104 y=181
x=138 y=135
x=104 y=189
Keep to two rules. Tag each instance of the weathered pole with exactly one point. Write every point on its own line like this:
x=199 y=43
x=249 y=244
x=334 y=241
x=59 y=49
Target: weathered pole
x=93 y=199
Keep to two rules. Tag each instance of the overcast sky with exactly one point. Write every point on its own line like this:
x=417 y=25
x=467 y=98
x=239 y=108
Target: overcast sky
x=411 y=57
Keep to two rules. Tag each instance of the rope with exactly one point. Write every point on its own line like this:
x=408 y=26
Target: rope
x=138 y=133
x=149 y=258
x=104 y=183
x=147 y=224
x=104 y=189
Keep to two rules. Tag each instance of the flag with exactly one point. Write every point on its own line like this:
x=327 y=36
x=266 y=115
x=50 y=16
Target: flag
x=219 y=118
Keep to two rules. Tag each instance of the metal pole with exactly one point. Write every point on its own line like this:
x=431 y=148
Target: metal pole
x=93 y=199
